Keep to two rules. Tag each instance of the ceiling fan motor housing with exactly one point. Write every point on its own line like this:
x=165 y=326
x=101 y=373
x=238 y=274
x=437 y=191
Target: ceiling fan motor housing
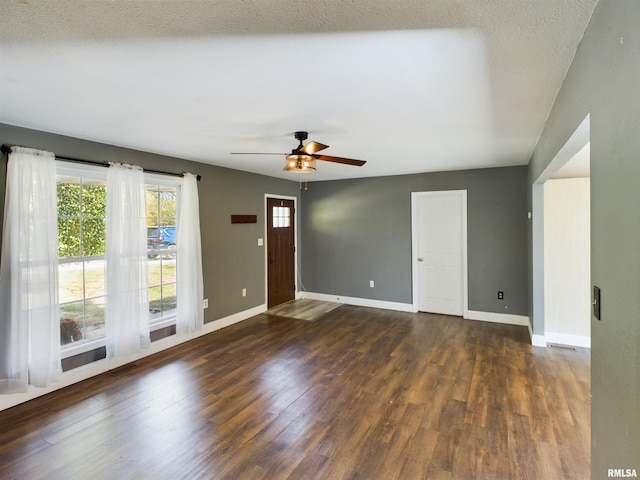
x=301 y=136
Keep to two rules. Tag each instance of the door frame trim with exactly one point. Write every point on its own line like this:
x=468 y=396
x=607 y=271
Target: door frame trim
x=415 y=196
x=266 y=246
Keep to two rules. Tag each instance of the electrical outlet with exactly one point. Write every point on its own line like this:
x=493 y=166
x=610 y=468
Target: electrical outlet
x=500 y=295
x=244 y=292
x=372 y=284
x=205 y=303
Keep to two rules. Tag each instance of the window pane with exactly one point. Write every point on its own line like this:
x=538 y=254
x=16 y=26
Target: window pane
x=169 y=271
x=68 y=237
x=153 y=204
x=93 y=236
x=69 y=197
x=94 y=279
x=168 y=206
x=155 y=303
x=155 y=273
x=94 y=198
x=161 y=220
x=94 y=313
x=280 y=218
x=170 y=251
x=162 y=286
x=168 y=297
x=71 y=322
x=71 y=287
x=81 y=320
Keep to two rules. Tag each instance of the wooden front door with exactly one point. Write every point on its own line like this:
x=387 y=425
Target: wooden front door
x=280 y=251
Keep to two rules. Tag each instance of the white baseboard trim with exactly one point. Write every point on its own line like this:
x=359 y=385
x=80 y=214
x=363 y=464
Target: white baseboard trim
x=559 y=338
x=360 y=302
x=537 y=340
x=231 y=319
x=568 y=339
x=101 y=366
x=507 y=318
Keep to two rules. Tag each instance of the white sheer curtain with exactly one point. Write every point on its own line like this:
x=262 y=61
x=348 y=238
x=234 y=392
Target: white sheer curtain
x=29 y=323
x=189 y=259
x=127 y=309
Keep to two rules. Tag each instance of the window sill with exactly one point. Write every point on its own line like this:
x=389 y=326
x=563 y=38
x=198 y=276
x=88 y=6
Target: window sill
x=164 y=323
x=89 y=345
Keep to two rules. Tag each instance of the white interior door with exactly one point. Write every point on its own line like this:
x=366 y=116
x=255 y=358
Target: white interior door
x=439 y=256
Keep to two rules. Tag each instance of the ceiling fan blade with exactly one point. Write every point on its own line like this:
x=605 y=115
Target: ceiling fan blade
x=345 y=161
x=257 y=153
x=313 y=147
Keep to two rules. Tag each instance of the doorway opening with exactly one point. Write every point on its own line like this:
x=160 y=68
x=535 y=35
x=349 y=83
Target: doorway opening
x=561 y=246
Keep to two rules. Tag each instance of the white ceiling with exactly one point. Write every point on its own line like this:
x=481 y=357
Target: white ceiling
x=408 y=85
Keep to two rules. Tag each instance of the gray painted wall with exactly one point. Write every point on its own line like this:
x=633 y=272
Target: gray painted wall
x=231 y=257
x=604 y=80
x=354 y=231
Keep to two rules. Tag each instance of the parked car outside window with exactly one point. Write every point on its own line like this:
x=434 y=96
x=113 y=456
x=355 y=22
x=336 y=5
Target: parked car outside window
x=161 y=241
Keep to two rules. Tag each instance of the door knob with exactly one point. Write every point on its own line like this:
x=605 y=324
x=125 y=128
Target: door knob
x=420 y=259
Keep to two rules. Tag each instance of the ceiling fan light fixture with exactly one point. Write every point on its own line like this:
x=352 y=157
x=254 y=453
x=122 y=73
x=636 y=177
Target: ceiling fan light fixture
x=303 y=158
x=300 y=163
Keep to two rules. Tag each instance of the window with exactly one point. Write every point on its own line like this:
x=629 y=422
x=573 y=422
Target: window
x=81 y=248
x=82 y=198
x=161 y=203
x=281 y=217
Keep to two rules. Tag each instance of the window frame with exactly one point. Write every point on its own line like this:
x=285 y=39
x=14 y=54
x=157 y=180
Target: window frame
x=71 y=169
x=172 y=182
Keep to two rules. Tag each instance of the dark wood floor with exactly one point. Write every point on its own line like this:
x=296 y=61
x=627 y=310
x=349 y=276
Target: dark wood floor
x=360 y=393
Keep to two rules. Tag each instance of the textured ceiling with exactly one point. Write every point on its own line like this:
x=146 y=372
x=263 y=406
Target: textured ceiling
x=408 y=85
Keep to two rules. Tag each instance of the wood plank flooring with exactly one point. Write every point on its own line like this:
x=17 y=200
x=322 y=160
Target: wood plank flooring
x=359 y=394
x=303 y=309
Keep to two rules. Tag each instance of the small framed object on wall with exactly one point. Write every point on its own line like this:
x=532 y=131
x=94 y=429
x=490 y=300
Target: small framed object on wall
x=244 y=219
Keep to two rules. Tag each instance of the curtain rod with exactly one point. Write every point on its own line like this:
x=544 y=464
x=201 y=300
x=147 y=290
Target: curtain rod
x=6 y=150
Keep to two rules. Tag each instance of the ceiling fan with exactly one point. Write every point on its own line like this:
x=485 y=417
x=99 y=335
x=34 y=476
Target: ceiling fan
x=302 y=159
